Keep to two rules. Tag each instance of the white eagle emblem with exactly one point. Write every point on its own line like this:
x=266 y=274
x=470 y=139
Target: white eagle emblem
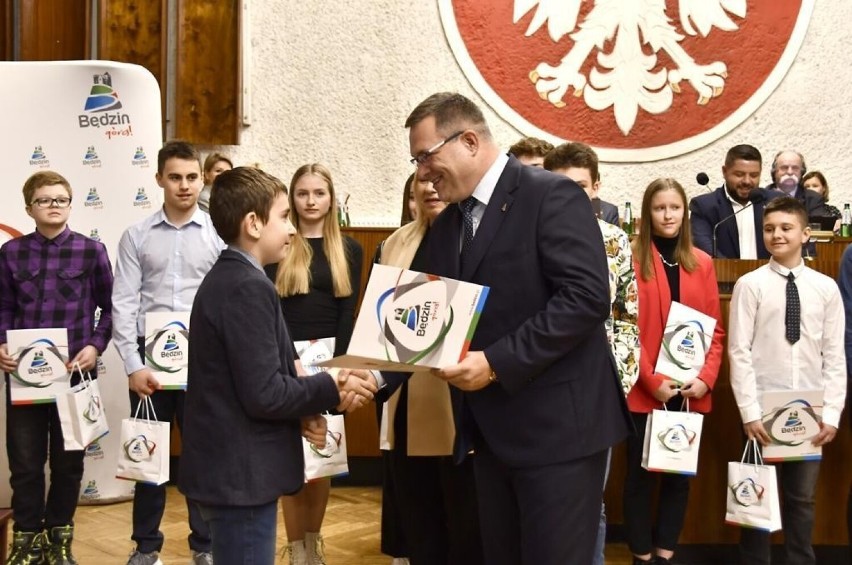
x=628 y=76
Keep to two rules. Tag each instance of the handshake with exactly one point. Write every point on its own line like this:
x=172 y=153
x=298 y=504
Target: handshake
x=356 y=388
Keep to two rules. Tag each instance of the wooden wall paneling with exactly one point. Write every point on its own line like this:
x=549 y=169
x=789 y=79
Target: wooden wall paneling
x=135 y=32
x=207 y=87
x=362 y=430
x=7 y=52
x=54 y=30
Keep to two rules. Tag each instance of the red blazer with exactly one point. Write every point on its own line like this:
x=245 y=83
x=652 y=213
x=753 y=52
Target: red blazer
x=698 y=290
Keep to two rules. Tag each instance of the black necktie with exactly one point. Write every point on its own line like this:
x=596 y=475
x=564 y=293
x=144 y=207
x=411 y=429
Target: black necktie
x=793 y=315
x=467 y=206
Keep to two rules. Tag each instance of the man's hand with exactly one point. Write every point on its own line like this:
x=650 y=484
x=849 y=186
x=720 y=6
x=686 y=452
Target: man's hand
x=472 y=373
x=143 y=383
x=7 y=363
x=356 y=388
x=87 y=358
x=755 y=430
x=826 y=435
x=695 y=388
x=667 y=391
x=314 y=429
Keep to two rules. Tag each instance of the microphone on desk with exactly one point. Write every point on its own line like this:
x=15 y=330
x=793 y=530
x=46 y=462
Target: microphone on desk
x=754 y=197
x=703 y=180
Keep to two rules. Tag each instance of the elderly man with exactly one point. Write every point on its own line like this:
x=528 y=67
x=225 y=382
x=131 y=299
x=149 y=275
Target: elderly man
x=788 y=168
x=537 y=398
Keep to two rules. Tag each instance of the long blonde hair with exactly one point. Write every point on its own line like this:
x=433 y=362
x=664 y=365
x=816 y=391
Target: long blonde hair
x=294 y=272
x=642 y=244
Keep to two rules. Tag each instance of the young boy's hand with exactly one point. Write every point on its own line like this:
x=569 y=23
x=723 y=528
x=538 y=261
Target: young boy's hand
x=87 y=358
x=755 y=430
x=7 y=363
x=826 y=435
x=314 y=429
x=356 y=389
x=143 y=383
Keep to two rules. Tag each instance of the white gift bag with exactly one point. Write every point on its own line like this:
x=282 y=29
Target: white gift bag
x=672 y=440
x=144 y=449
x=752 y=493
x=330 y=461
x=81 y=413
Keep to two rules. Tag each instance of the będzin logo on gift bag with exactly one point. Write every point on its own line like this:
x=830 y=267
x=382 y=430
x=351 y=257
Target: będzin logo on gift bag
x=677 y=438
x=139 y=449
x=747 y=492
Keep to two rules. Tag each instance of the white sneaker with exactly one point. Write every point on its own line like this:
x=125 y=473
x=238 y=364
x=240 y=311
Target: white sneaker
x=400 y=561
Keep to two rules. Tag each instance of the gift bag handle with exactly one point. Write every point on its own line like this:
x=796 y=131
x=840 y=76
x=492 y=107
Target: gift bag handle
x=149 y=409
x=84 y=375
x=758 y=459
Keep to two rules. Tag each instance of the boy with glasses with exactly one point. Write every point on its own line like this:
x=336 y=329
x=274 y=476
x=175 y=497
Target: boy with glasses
x=51 y=278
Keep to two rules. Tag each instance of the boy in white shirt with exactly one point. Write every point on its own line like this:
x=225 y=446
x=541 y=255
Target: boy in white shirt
x=786 y=332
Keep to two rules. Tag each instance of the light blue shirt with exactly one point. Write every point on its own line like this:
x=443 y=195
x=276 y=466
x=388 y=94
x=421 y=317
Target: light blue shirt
x=159 y=268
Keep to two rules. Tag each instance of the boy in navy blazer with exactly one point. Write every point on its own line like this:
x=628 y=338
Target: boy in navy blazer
x=246 y=409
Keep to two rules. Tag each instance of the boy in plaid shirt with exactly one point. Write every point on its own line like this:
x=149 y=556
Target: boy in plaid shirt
x=51 y=278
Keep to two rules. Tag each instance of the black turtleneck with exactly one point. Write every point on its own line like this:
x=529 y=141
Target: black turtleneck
x=666 y=246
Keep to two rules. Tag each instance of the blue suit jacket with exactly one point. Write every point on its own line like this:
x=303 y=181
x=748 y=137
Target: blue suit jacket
x=242 y=444
x=539 y=249
x=709 y=209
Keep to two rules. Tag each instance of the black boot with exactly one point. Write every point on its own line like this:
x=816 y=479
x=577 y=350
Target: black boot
x=58 y=551
x=27 y=549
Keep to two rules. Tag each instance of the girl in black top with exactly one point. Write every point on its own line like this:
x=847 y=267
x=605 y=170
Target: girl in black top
x=318 y=283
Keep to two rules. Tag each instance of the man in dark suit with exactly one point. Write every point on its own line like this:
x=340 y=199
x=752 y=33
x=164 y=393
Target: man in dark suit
x=537 y=397
x=609 y=212
x=788 y=169
x=740 y=236
x=245 y=406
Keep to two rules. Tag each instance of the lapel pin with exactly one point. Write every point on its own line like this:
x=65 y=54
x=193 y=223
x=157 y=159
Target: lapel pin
x=503 y=208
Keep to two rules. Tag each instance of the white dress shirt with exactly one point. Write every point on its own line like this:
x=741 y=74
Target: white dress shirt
x=745 y=228
x=159 y=268
x=483 y=191
x=761 y=358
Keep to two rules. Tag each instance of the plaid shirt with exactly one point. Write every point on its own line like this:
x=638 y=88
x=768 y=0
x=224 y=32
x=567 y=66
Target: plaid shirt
x=57 y=283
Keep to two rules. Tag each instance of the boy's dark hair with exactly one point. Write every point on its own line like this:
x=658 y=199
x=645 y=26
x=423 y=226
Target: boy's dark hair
x=40 y=179
x=531 y=146
x=238 y=192
x=743 y=153
x=787 y=204
x=177 y=149
x=573 y=154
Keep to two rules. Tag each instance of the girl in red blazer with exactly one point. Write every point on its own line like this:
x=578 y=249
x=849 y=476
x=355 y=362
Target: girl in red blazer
x=668 y=268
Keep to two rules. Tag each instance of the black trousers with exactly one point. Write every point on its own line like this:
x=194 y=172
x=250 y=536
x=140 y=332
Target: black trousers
x=149 y=501
x=644 y=533
x=34 y=437
x=436 y=502
x=543 y=515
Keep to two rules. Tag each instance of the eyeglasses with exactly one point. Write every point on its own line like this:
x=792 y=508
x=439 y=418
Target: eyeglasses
x=423 y=157
x=61 y=202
